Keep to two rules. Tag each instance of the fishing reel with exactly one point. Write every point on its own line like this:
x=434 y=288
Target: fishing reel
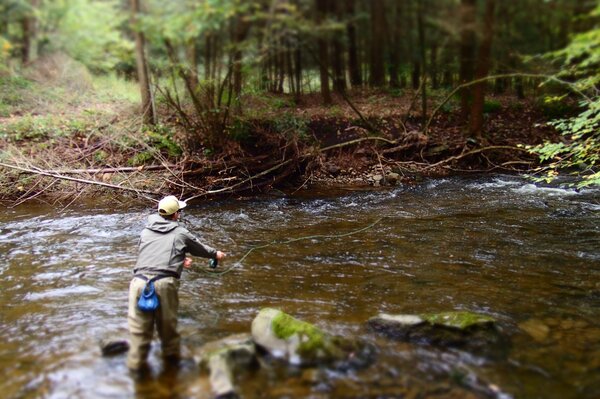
x=213 y=263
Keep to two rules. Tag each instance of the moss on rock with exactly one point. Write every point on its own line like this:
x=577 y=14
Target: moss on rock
x=454 y=329
x=303 y=343
x=311 y=337
x=460 y=320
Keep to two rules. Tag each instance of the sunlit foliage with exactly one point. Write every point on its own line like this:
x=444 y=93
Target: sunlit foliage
x=579 y=153
x=89 y=31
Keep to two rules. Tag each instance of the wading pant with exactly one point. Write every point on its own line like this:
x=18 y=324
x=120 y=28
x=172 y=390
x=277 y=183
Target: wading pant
x=141 y=324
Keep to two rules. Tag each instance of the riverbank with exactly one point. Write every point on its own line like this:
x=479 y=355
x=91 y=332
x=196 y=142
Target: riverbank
x=87 y=140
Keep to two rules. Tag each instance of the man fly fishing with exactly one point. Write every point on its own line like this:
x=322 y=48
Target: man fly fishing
x=154 y=289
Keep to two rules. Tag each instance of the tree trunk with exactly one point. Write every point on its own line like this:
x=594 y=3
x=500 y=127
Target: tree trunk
x=26 y=39
x=207 y=57
x=580 y=8
x=29 y=28
x=339 y=72
x=467 y=52
x=339 y=76
x=215 y=57
x=433 y=65
x=447 y=80
x=378 y=39
x=500 y=84
x=353 y=62
x=298 y=70
x=281 y=66
x=289 y=65
x=192 y=57
x=323 y=70
x=411 y=46
x=482 y=70
x=237 y=78
x=504 y=18
x=323 y=54
x=270 y=71
x=423 y=62
x=395 y=35
x=519 y=88
x=185 y=76
x=240 y=31
x=416 y=75
x=148 y=113
x=448 y=55
x=563 y=31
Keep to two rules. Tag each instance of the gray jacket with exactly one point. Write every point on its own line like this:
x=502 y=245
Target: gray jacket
x=164 y=244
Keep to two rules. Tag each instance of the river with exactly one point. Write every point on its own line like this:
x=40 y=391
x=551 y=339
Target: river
x=526 y=255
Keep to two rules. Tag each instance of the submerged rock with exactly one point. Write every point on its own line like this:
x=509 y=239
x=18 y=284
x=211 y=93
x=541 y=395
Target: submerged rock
x=299 y=342
x=537 y=329
x=223 y=359
x=465 y=330
x=111 y=347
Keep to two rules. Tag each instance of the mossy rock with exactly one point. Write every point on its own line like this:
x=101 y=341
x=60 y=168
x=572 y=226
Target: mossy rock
x=299 y=342
x=460 y=320
x=312 y=338
x=464 y=330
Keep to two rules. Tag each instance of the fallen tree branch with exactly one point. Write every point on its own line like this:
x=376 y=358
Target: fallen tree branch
x=516 y=163
x=398 y=148
x=476 y=151
x=250 y=179
x=340 y=145
x=22 y=199
x=125 y=169
x=85 y=181
x=355 y=141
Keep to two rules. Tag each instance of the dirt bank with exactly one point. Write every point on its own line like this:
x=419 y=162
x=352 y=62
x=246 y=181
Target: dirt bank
x=275 y=143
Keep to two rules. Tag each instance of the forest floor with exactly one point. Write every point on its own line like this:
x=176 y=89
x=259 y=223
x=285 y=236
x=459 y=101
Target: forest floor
x=61 y=143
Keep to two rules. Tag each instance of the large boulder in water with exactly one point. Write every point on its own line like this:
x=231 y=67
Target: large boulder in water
x=464 y=330
x=224 y=359
x=302 y=343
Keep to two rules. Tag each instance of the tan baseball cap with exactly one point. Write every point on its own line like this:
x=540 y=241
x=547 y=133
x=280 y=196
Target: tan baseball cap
x=169 y=205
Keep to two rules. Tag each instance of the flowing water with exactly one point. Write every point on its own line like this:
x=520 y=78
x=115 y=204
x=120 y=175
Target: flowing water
x=528 y=256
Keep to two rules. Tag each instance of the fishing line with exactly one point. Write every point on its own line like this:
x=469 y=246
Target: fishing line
x=317 y=236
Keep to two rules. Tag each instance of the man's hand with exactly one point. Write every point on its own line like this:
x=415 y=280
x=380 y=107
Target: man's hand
x=220 y=255
x=187 y=263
